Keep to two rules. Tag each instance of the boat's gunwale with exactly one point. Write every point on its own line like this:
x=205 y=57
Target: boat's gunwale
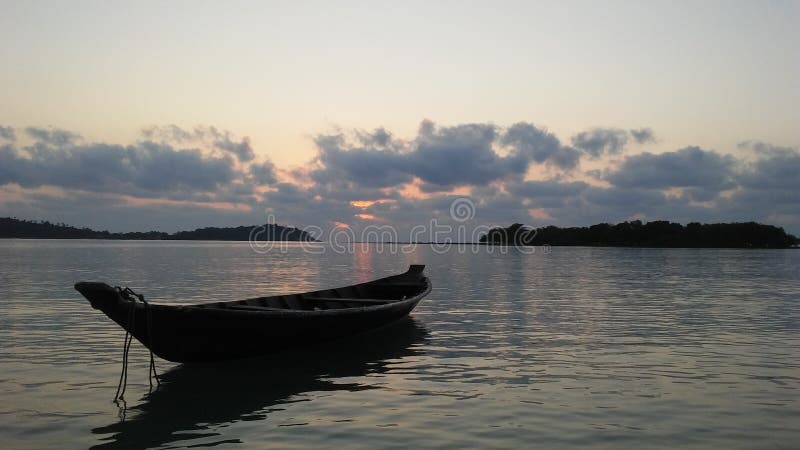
x=322 y=312
x=220 y=307
x=206 y=307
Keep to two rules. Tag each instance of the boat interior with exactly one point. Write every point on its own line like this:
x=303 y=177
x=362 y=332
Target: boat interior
x=378 y=292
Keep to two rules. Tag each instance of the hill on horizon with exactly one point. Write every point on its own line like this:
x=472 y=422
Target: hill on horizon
x=659 y=233
x=11 y=227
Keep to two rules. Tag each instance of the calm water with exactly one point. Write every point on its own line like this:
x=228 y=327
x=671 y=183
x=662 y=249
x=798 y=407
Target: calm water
x=579 y=347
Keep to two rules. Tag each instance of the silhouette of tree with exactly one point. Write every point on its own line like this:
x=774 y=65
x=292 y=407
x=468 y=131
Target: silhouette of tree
x=11 y=227
x=660 y=233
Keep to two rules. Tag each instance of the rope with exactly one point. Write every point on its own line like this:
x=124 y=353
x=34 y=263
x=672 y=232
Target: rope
x=123 y=376
x=129 y=294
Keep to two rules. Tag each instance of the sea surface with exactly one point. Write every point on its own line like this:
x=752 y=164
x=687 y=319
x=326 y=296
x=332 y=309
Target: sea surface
x=559 y=348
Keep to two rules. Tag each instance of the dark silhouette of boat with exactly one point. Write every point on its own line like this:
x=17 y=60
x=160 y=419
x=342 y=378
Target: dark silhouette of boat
x=261 y=325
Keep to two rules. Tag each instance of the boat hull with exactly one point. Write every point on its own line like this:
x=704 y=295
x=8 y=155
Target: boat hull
x=241 y=329
x=185 y=334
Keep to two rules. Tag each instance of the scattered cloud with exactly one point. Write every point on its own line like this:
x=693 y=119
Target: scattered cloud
x=687 y=167
x=7 y=134
x=442 y=157
x=765 y=148
x=534 y=144
x=366 y=165
x=182 y=178
x=242 y=149
x=550 y=193
x=635 y=200
x=778 y=169
x=643 y=135
x=599 y=141
x=263 y=172
x=147 y=169
x=461 y=155
x=51 y=136
x=207 y=136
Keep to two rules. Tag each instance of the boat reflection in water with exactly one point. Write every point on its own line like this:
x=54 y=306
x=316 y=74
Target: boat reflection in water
x=194 y=398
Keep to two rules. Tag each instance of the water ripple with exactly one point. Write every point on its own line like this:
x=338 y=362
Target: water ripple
x=581 y=347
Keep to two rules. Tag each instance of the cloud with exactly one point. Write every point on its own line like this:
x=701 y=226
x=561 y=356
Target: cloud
x=361 y=178
x=599 y=141
x=103 y=211
x=534 y=144
x=209 y=136
x=632 y=200
x=441 y=157
x=147 y=169
x=769 y=185
x=348 y=191
x=365 y=165
x=459 y=155
x=242 y=149
x=171 y=133
x=292 y=205
x=778 y=169
x=263 y=172
x=643 y=135
x=690 y=167
x=52 y=136
x=8 y=134
x=380 y=137
x=765 y=148
x=172 y=168
x=549 y=193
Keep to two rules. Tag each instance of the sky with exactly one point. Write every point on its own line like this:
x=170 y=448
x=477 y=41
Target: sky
x=132 y=116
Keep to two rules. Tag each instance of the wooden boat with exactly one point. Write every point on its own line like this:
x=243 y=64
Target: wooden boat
x=261 y=325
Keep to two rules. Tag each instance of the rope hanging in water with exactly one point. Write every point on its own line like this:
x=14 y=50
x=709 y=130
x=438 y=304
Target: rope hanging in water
x=130 y=295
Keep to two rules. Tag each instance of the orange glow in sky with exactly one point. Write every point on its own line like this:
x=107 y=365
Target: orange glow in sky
x=364 y=204
x=540 y=214
x=163 y=201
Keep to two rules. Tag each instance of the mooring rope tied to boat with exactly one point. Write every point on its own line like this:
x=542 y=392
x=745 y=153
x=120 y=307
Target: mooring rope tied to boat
x=128 y=294
x=123 y=376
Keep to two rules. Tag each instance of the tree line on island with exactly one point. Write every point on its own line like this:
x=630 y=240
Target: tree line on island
x=626 y=234
x=28 y=229
x=659 y=233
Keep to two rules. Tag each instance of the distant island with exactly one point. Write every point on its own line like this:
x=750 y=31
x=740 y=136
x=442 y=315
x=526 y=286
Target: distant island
x=27 y=229
x=652 y=234
x=659 y=233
